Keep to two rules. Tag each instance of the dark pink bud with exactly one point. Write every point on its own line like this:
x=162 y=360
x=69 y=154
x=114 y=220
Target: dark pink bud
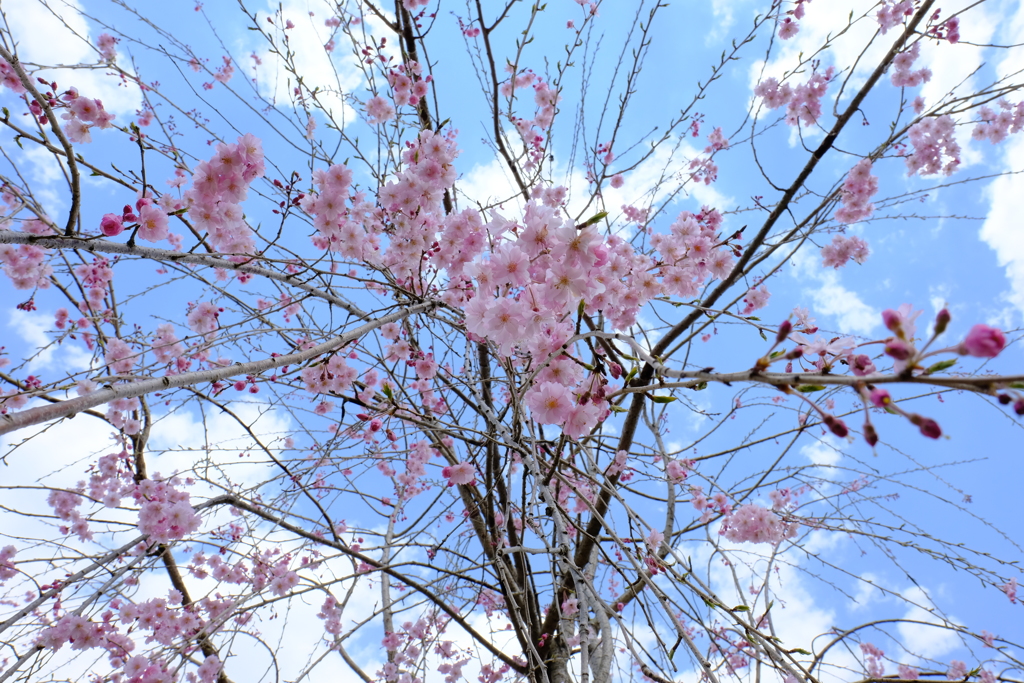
x=1004 y=399
x=941 y=321
x=928 y=426
x=784 y=329
x=898 y=349
x=615 y=369
x=111 y=225
x=1018 y=406
x=983 y=341
x=836 y=426
x=892 y=320
x=870 y=435
x=795 y=353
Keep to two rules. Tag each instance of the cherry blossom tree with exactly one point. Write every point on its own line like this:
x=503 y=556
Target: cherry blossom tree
x=312 y=400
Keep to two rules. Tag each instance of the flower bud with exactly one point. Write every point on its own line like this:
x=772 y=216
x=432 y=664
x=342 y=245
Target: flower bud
x=795 y=353
x=928 y=426
x=893 y=321
x=784 y=329
x=983 y=342
x=1018 y=407
x=870 y=435
x=898 y=349
x=111 y=225
x=1004 y=399
x=941 y=321
x=836 y=426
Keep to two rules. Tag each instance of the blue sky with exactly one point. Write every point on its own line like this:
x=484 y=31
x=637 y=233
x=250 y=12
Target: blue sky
x=937 y=242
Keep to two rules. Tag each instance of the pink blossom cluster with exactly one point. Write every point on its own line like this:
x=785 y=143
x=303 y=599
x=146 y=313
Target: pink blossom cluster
x=219 y=186
x=65 y=505
x=84 y=634
x=165 y=621
x=718 y=502
x=333 y=377
x=404 y=649
x=379 y=110
x=752 y=523
x=26 y=265
x=330 y=612
x=111 y=480
x=165 y=513
x=891 y=14
x=203 y=318
x=225 y=71
x=546 y=99
x=120 y=356
x=873 y=663
x=9 y=77
x=118 y=414
x=7 y=570
x=755 y=299
x=408 y=84
x=903 y=76
x=166 y=346
x=275 y=574
x=107 y=45
x=419 y=454
x=994 y=126
x=82 y=114
x=857 y=190
x=678 y=470
x=1010 y=588
x=933 y=142
x=414 y=209
x=790 y=26
x=351 y=231
x=95 y=277
x=949 y=29
x=842 y=249
x=803 y=103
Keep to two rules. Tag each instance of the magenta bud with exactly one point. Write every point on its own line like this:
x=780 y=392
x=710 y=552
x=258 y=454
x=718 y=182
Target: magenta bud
x=928 y=426
x=898 y=349
x=111 y=225
x=892 y=320
x=795 y=353
x=836 y=426
x=983 y=342
x=784 y=329
x=615 y=369
x=870 y=435
x=942 y=321
x=1004 y=399
x=1018 y=407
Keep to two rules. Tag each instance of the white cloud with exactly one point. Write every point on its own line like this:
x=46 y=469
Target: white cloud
x=822 y=453
x=51 y=358
x=61 y=35
x=492 y=182
x=210 y=444
x=1002 y=229
x=335 y=73
x=921 y=639
x=829 y=297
